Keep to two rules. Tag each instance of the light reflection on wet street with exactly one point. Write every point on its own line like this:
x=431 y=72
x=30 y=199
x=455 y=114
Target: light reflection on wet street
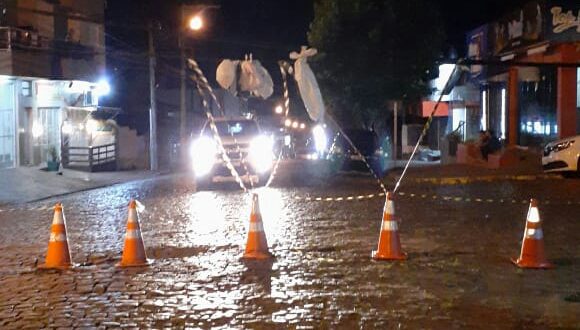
x=457 y=275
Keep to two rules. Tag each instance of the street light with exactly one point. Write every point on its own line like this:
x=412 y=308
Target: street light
x=196 y=23
x=103 y=88
x=191 y=20
x=279 y=109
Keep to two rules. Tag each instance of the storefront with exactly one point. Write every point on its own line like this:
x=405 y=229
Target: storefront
x=529 y=89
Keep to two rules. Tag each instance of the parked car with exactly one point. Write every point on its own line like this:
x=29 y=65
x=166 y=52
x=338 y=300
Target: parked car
x=562 y=156
x=248 y=148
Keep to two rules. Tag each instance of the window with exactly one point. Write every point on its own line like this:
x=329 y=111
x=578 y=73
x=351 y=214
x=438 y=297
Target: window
x=26 y=88
x=89 y=98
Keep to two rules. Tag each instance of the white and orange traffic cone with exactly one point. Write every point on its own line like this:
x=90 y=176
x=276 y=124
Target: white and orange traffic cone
x=256 y=245
x=134 y=250
x=532 y=254
x=389 y=247
x=58 y=253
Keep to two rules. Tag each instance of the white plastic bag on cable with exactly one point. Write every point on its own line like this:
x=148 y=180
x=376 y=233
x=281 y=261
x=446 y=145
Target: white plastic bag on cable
x=249 y=80
x=226 y=75
x=307 y=84
x=266 y=86
x=255 y=79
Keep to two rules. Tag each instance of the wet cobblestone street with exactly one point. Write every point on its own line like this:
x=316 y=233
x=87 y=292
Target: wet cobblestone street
x=458 y=274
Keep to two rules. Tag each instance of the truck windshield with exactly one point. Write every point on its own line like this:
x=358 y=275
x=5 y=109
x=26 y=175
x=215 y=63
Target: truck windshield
x=237 y=128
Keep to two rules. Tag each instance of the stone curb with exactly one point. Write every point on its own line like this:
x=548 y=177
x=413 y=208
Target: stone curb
x=484 y=178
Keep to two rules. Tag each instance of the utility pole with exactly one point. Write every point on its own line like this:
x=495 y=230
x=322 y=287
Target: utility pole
x=395 y=133
x=182 y=92
x=153 y=108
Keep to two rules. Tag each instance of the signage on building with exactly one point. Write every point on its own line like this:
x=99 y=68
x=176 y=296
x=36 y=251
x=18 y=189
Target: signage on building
x=518 y=29
x=477 y=49
x=537 y=22
x=563 y=21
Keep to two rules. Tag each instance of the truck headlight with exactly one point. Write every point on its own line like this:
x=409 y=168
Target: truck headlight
x=261 y=153
x=203 y=152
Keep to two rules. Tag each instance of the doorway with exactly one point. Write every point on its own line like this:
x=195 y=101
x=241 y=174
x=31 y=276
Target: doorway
x=7 y=126
x=49 y=121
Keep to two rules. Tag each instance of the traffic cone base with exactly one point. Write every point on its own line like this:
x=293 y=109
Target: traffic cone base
x=58 y=253
x=377 y=256
x=256 y=244
x=389 y=247
x=526 y=264
x=134 y=264
x=134 y=249
x=257 y=255
x=532 y=254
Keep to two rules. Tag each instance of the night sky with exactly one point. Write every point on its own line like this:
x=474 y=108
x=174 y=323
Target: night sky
x=269 y=29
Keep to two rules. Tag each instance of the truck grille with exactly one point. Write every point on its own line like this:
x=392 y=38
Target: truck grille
x=233 y=152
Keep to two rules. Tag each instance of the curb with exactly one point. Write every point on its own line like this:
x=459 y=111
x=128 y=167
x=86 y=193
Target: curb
x=485 y=178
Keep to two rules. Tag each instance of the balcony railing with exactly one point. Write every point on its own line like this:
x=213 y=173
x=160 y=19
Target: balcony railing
x=11 y=37
x=18 y=38
x=92 y=159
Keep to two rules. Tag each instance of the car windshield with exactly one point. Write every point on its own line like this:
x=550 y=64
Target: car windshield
x=237 y=128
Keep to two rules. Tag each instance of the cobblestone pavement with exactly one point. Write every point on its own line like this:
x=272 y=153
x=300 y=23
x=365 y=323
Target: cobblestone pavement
x=458 y=274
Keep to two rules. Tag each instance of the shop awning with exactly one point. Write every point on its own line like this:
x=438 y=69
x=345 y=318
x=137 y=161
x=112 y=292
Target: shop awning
x=442 y=109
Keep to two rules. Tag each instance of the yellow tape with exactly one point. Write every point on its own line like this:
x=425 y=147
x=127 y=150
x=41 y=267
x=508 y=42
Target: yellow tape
x=425 y=196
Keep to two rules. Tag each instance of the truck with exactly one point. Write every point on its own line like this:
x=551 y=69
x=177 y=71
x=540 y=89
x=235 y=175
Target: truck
x=249 y=150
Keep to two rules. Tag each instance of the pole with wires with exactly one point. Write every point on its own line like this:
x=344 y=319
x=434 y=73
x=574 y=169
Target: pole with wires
x=427 y=125
x=153 y=109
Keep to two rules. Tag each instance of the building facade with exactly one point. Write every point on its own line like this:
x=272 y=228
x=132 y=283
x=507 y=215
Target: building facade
x=52 y=56
x=527 y=73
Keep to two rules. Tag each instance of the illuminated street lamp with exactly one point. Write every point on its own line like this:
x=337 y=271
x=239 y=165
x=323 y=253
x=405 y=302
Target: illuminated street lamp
x=103 y=88
x=279 y=109
x=191 y=20
x=288 y=122
x=295 y=124
x=196 y=23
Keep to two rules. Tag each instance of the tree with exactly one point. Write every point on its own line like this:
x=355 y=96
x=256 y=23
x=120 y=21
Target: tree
x=372 y=51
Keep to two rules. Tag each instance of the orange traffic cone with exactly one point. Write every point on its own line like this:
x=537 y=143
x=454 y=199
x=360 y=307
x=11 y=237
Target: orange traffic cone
x=58 y=254
x=134 y=250
x=532 y=254
x=256 y=245
x=389 y=243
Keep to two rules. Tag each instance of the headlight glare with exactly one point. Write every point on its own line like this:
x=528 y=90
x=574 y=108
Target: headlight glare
x=203 y=152
x=320 y=138
x=261 y=154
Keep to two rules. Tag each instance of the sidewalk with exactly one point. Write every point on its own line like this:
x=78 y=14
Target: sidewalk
x=26 y=184
x=436 y=173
